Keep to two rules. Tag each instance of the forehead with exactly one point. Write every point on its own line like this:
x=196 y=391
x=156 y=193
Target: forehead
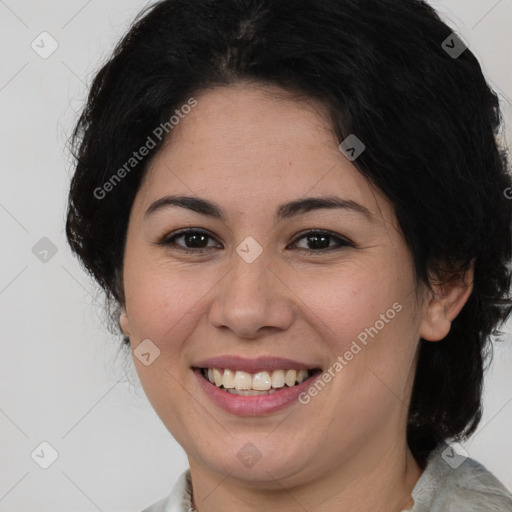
x=257 y=146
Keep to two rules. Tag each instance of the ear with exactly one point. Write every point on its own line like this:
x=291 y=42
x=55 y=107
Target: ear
x=443 y=303
x=124 y=322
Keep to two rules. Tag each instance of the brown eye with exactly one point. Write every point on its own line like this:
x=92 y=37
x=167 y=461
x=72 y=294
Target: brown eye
x=318 y=241
x=195 y=240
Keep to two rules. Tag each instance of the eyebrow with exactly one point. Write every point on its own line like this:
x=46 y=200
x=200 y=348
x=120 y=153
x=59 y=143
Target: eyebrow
x=284 y=211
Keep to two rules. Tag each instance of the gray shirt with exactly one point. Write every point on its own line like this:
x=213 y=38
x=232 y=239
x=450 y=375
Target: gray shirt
x=449 y=483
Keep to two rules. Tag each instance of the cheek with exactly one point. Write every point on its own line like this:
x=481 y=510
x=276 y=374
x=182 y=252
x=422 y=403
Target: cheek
x=352 y=299
x=160 y=304
x=162 y=300
x=368 y=319
x=378 y=362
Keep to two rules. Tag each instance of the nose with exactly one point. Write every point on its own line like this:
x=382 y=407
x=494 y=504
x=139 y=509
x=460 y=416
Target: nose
x=252 y=299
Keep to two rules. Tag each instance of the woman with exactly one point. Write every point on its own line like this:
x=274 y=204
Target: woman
x=297 y=211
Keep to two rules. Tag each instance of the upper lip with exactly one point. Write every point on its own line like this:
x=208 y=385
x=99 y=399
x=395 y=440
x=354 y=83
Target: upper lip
x=260 y=364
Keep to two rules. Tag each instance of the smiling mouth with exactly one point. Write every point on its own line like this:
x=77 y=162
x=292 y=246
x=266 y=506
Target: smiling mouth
x=242 y=383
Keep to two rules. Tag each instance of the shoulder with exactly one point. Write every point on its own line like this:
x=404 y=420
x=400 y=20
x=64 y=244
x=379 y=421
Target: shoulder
x=179 y=499
x=451 y=483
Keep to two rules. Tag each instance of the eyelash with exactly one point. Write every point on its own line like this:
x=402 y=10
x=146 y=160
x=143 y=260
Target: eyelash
x=169 y=241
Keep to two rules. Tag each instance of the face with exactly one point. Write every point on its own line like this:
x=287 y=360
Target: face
x=269 y=288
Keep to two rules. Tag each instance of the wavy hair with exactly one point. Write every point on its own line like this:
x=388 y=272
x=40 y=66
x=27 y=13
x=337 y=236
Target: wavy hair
x=429 y=122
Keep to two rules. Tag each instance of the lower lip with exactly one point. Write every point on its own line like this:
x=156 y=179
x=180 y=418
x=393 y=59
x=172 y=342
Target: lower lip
x=253 y=405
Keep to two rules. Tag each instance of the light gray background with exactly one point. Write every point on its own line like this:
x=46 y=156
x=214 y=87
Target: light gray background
x=61 y=380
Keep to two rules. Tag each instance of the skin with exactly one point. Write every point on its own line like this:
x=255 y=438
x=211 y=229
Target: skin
x=250 y=148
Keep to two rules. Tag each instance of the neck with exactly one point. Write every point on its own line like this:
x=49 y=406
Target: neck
x=373 y=479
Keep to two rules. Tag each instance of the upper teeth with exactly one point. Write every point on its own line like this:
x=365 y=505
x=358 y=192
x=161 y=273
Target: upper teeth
x=260 y=381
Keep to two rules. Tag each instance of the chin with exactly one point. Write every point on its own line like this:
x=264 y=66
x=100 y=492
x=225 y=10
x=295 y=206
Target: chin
x=263 y=464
